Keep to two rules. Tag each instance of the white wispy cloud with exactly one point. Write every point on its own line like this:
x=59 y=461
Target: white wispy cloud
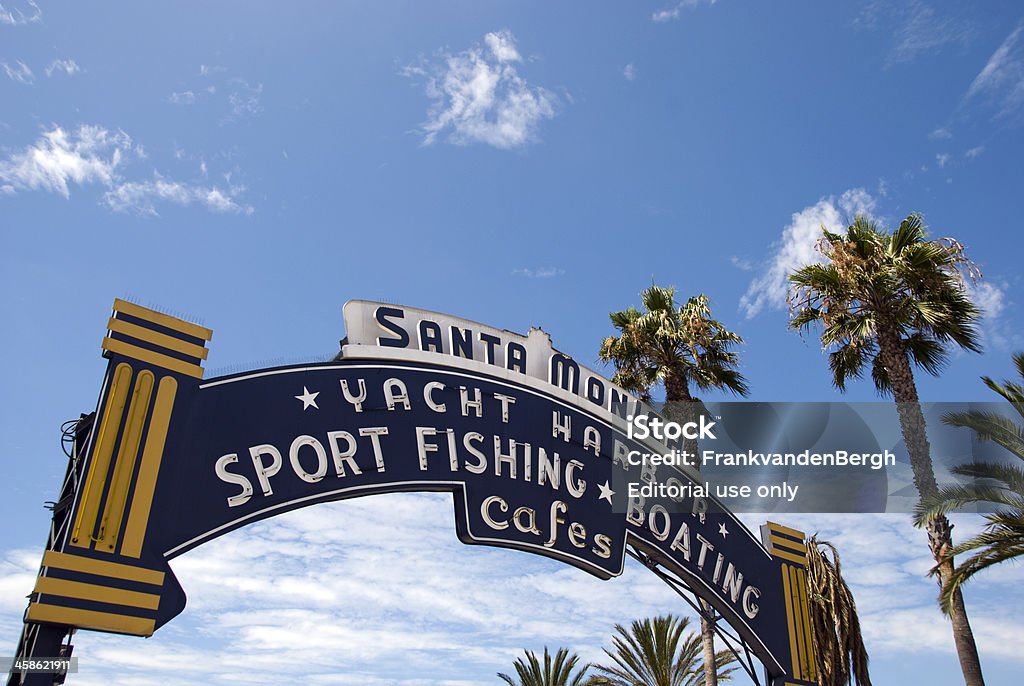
x=478 y=96
x=940 y=133
x=182 y=98
x=141 y=197
x=238 y=98
x=675 y=11
x=90 y=154
x=244 y=98
x=796 y=247
x=923 y=32
x=629 y=71
x=19 y=72
x=917 y=29
x=741 y=263
x=93 y=155
x=539 y=272
x=991 y=296
x=1001 y=80
x=942 y=159
x=13 y=15
x=69 y=67
x=18 y=570
x=974 y=152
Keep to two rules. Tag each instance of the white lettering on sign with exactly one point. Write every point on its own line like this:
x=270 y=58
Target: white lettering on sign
x=493 y=511
x=395 y=326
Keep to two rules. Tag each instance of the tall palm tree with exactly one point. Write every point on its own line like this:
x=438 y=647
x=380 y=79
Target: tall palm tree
x=888 y=300
x=997 y=483
x=556 y=671
x=658 y=652
x=679 y=347
x=838 y=646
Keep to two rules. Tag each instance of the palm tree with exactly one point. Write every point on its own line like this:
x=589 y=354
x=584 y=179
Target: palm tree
x=1001 y=484
x=835 y=629
x=887 y=300
x=557 y=671
x=658 y=652
x=680 y=347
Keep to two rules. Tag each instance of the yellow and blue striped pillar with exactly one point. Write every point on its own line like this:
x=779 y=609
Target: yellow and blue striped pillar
x=99 y=576
x=789 y=547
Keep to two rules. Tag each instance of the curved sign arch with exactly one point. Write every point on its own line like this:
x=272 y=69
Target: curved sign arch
x=528 y=441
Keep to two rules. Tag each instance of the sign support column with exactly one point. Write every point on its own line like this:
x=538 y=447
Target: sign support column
x=789 y=547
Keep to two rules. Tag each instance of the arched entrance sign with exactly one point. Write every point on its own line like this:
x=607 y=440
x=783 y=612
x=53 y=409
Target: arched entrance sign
x=525 y=438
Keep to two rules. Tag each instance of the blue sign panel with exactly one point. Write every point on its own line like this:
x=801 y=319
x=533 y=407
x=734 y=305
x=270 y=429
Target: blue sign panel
x=352 y=428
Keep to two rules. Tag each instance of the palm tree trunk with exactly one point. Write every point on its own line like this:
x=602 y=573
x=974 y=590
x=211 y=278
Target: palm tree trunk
x=707 y=634
x=912 y=426
x=681 y=408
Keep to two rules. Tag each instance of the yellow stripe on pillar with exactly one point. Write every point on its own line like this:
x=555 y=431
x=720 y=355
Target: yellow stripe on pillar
x=90 y=619
x=156 y=338
x=805 y=602
x=779 y=541
x=779 y=528
x=787 y=593
x=152 y=454
x=151 y=357
x=106 y=438
x=131 y=439
x=798 y=615
x=113 y=570
x=799 y=558
x=162 y=319
x=102 y=594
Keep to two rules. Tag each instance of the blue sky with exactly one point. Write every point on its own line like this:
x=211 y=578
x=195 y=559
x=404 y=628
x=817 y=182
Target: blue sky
x=254 y=165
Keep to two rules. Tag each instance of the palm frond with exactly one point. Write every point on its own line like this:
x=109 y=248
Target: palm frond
x=910 y=231
x=846 y=363
x=951 y=498
x=658 y=651
x=557 y=670
x=990 y=426
x=1002 y=540
x=880 y=376
x=925 y=352
x=1012 y=391
x=999 y=484
x=839 y=648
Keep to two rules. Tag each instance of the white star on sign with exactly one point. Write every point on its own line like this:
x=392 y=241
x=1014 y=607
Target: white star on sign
x=606 y=492
x=722 y=530
x=308 y=399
